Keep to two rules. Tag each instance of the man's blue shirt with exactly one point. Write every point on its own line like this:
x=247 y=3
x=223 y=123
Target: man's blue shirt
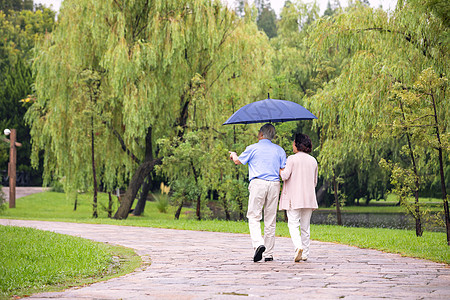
x=265 y=159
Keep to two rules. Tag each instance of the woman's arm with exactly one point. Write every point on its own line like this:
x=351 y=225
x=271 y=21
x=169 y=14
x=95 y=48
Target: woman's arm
x=316 y=171
x=285 y=173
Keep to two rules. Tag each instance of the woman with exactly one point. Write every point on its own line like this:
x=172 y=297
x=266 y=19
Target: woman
x=298 y=197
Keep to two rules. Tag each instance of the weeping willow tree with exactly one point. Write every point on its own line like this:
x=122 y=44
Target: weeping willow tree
x=160 y=68
x=384 y=50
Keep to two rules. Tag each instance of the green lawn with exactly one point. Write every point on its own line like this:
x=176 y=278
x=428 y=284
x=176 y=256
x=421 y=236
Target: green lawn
x=34 y=260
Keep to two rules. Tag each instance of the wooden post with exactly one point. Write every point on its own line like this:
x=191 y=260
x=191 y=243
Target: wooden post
x=12 y=164
x=12 y=169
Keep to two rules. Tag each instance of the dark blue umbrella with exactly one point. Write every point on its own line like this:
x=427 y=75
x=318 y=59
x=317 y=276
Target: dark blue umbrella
x=270 y=110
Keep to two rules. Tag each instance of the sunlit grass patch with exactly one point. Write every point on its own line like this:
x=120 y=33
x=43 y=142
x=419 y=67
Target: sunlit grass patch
x=34 y=260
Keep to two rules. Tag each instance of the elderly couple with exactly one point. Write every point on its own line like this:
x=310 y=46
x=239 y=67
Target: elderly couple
x=266 y=163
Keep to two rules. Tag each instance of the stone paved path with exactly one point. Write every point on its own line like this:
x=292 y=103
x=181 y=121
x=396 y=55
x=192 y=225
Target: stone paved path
x=22 y=191
x=207 y=265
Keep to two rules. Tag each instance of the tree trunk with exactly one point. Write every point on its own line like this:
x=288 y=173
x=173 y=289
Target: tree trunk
x=444 y=196
x=419 y=230
x=199 y=198
x=178 y=212
x=138 y=178
x=336 y=199
x=227 y=215
x=441 y=171
x=416 y=213
x=225 y=207
x=76 y=202
x=140 y=205
x=133 y=187
x=240 y=202
x=241 y=211
x=322 y=192
x=225 y=202
x=94 y=175
x=198 y=212
x=110 y=203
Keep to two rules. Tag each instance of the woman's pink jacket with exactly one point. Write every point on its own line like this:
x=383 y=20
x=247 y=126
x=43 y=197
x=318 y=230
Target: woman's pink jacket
x=300 y=180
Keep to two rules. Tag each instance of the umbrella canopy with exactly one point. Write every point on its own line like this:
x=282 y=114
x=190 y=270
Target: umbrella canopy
x=270 y=110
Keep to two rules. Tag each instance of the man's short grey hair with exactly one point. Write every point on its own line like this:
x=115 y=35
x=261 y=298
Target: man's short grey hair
x=267 y=131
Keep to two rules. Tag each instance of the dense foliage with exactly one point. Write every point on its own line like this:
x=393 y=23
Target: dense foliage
x=20 y=28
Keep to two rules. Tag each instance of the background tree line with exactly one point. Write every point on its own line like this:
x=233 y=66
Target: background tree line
x=131 y=93
x=22 y=24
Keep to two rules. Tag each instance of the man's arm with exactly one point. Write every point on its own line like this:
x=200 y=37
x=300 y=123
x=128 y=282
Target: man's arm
x=234 y=157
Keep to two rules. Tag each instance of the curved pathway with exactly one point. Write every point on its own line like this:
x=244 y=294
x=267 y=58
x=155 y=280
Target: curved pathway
x=22 y=191
x=208 y=265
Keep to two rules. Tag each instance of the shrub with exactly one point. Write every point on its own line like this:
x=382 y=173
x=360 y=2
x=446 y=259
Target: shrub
x=162 y=202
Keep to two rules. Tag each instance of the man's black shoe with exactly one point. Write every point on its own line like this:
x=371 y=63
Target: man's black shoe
x=268 y=259
x=258 y=253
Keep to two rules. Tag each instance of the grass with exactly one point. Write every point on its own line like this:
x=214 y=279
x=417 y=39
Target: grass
x=432 y=245
x=56 y=207
x=34 y=261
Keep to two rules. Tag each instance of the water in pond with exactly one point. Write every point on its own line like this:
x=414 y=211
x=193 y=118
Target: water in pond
x=368 y=220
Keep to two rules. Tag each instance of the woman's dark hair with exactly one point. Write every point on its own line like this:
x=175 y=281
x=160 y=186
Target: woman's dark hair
x=303 y=143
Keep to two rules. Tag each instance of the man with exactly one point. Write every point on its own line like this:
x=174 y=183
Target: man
x=265 y=160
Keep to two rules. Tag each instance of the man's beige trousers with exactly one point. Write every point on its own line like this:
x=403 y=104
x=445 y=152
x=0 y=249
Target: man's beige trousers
x=263 y=194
